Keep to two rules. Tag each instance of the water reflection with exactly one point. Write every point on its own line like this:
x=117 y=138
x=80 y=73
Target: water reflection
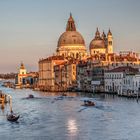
x=72 y=127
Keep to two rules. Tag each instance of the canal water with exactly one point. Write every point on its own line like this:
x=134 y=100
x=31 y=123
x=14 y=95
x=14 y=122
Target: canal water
x=46 y=117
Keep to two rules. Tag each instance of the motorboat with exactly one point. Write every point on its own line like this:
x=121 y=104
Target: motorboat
x=31 y=96
x=59 y=98
x=88 y=103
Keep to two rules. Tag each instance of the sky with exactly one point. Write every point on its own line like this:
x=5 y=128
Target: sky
x=30 y=29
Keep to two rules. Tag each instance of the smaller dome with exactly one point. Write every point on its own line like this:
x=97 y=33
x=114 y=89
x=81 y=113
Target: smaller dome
x=97 y=44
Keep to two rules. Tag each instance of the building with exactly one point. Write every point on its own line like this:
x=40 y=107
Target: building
x=131 y=84
x=65 y=75
x=82 y=76
x=31 y=80
x=24 y=79
x=90 y=76
x=114 y=79
x=46 y=72
x=60 y=76
x=19 y=80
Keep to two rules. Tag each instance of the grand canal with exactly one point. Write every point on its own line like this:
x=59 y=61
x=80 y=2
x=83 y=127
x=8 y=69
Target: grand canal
x=44 y=118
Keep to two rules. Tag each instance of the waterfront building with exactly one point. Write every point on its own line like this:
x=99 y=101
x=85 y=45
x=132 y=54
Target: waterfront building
x=131 y=84
x=24 y=79
x=19 y=80
x=90 y=76
x=82 y=75
x=65 y=75
x=114 y=79
x=31 y=80
x=59 y=83
x=46 y=72
x=70 y=74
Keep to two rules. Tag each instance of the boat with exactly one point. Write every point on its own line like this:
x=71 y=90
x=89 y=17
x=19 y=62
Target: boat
x=12 y=117
x=88 y=103
x=59 y=98
x=31 y=96
x=64 y=94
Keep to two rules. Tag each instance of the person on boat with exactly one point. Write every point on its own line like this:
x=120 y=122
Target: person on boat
x=85 y=102
x=12 y=113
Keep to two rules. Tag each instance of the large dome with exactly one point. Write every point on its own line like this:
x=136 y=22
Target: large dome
x=70 y=38
x=97 y=44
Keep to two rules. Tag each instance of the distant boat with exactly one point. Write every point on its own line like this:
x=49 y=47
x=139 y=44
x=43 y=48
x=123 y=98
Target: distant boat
x=31 y=96
x=64 y=94
x=88 y=103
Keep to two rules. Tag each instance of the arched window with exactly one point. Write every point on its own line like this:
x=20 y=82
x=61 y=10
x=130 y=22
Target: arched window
x=110 y=42
x=77 y=55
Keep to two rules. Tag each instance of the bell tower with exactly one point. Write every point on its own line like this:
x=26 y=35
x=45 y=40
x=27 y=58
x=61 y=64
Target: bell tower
x=110 y=42
x=22 y=69
x=21 y=75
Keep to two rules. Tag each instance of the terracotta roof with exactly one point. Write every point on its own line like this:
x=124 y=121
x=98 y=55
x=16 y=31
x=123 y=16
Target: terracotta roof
x=55 y=57
x=126 y=69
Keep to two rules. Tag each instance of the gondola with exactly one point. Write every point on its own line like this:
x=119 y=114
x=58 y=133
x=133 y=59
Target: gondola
x=12 y=116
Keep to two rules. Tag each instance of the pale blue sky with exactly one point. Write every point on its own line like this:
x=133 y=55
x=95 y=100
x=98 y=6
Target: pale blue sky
x=29 y=29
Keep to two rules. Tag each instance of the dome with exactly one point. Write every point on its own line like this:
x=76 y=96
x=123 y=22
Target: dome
x=97 y=44
x=71 y=38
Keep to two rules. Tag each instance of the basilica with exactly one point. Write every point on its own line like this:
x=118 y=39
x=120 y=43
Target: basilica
x=71 y=43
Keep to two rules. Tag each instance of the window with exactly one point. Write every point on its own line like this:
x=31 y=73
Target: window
x=110 y=42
